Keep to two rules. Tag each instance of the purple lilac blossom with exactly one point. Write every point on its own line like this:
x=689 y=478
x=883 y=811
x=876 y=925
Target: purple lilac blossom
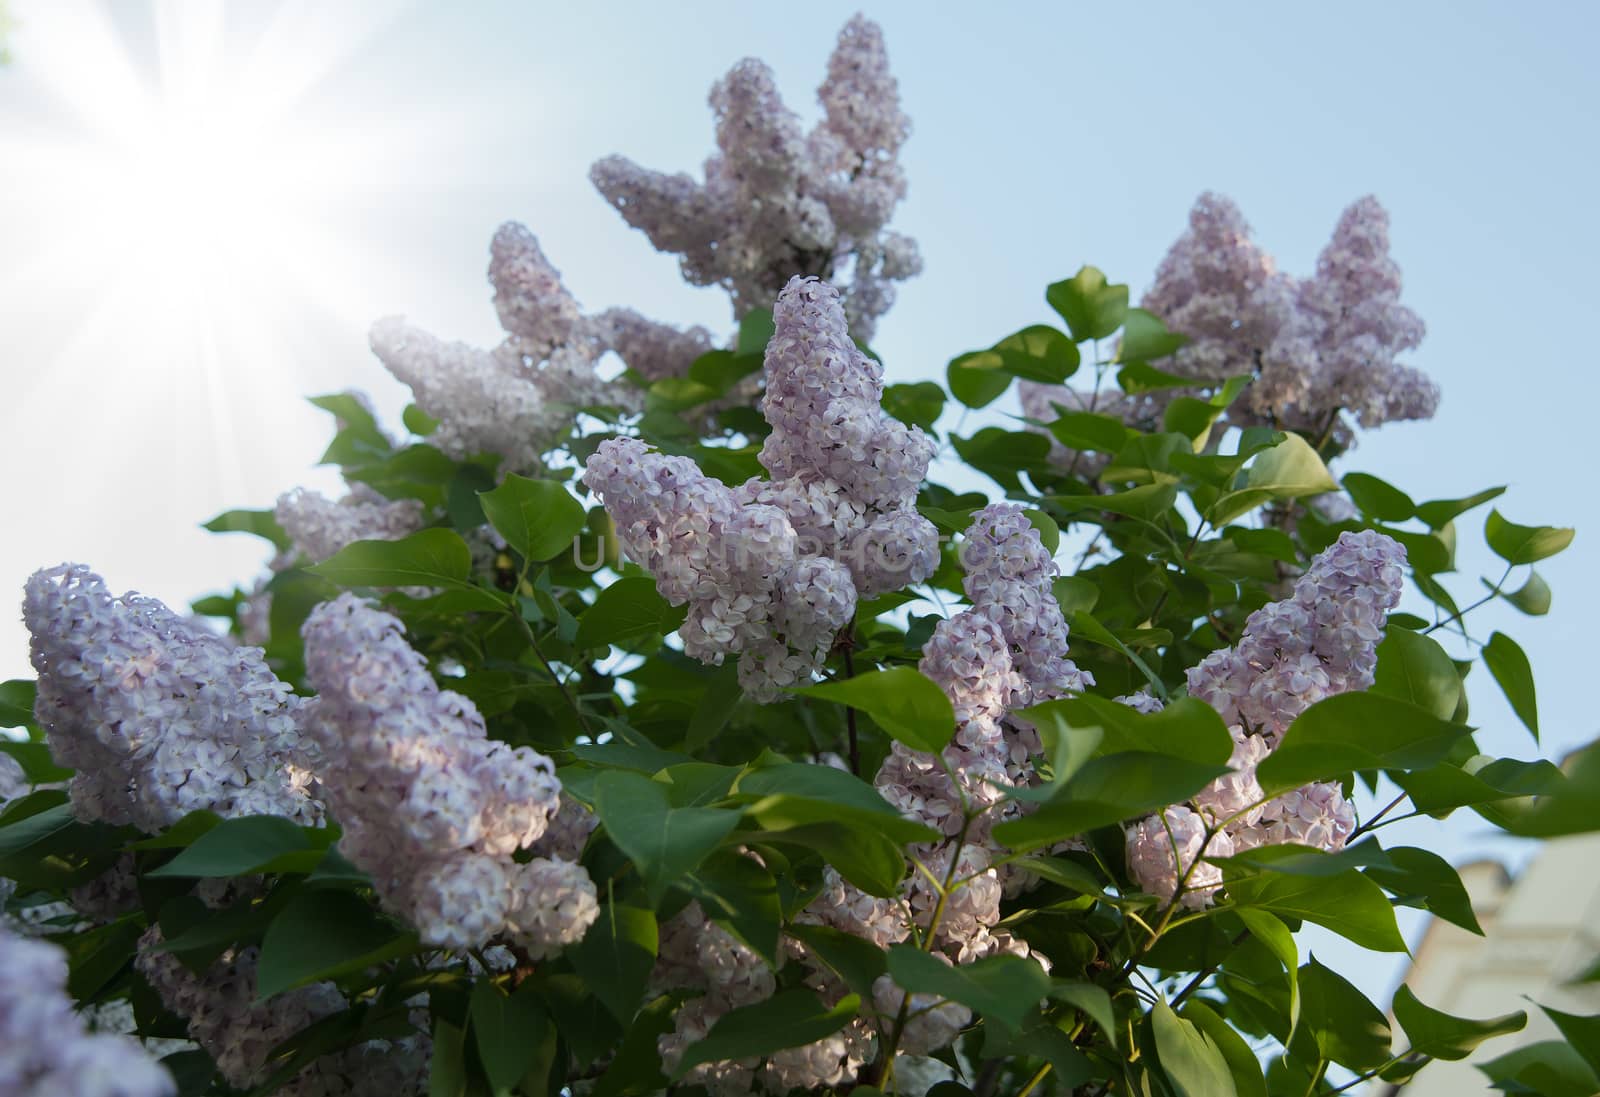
x=158 y=716
x=778 y=202
x=431 y=807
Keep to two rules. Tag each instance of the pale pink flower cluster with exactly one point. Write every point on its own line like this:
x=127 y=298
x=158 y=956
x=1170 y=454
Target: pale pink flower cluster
x=1321 y=351
x=1320 y=641
x=44 y=1048
x=778 y=202
x=158 y=716
x=319 y=526
x=772 y=569
x=518 y=399
x=240 y=1033
x=431 y=807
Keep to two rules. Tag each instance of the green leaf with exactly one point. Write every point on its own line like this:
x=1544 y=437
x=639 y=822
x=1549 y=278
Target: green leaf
x=1532 y=598
x=857 y=962
x=1146 y=501
x=1187 y=728
x=1583 y=1033
x=1348 y=1029
x=323 y=934
x=1049 y=532
x=662 y=841
x=901 y=700
x=1356 y=731
x=1420 y=878
x=630 y=609
x=1002 y=988
x=1290 y=470
x=797 y=794
x=1414 y=668
x=1524 y=544
x=538 y=518
x=739 y=894
x=508 y=1032
x=246 y=845
x=1087 y=430
x=1275 y=936
x=447 y=1069
x=1145 y=337
x=1074 y=594
x=616 y=955
x=1242 y=1062
x=1378 y=498
x=1003 y=454
x=918 y=404
x=1092 y=308
x=1549 y=1068
x=975 y=383
x=261 y=523
x=790 y=1018
x=1440 y=788
x=1348 y=903
x=418 y=422
x=429 y=558
x=1090 y=1000
x=1108 y=790
x=1511 y=669
x=1191 y=1060
x=1438 y=1035
x=16 y=703
x=1438 y=513
x=755 y=331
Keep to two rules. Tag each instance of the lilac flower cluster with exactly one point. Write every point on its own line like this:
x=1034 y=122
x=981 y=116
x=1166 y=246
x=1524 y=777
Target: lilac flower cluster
x=431 y=807
x=240 y=1033
x=519 y=398
x=158 y=716
x=771 y=570
x=319 y=526
x=1320 y=641
x=778 y=202
x=1320 y=350
x=44 y=1048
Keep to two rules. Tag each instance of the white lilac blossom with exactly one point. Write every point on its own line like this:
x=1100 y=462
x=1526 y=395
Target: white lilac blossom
x=931 y=1022
x=1317 y=348
x=431 y=807
x=44 y=1047
x=158 y=716
x=240 y=1033
x=1320 y=641
x=652 y=349
x=771 y=570
x=319 y=527
x=778 y=202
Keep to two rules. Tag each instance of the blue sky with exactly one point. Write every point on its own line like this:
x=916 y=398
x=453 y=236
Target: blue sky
x=1046 y=136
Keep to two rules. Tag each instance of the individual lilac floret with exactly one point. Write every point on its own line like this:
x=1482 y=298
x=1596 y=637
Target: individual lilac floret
x=44 y=1048
x=158 y=716
x=240 y=1033
x=1360 y=325
x=319 y=526
x=1152 y=844
x=1320 y=641
x=431 y=807
x=778 y=202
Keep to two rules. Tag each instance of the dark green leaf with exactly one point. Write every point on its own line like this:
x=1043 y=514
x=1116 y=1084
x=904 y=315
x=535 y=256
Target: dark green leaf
x=857 y=962
x=918 y=405
x=1510 y=667
x=1349 y=904
x=1108 y=790
x=1549 y=1068
x=1427 y=880
x=616 y=955
x=1002 y=988
x=662 y=841
x=1267 y=928
x=447 y=1069
x=1087 y=430
x=629 y=609
x=251 y=843
x=1583 y=1033
x=1532 y=598
x=797 y=794
x=1438 y=513
x=755 y=331
x=16 y=703
x=509 y=1032
x=1356 y=731
x=1090 y=1000
x=323 y=934
x=1187 y=728
x=790 y=1018
x=1414 y=668
x=1441 y=1036
x=901 y=700
x=1348 y=1029
x=261 y=523
x=1241 y=1059
x=1145 y=337
x=1379 y=499
x=538 y=518
x=429 y=558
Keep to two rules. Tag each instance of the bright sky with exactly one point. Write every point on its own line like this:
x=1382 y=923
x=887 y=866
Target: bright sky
x=201 y=214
